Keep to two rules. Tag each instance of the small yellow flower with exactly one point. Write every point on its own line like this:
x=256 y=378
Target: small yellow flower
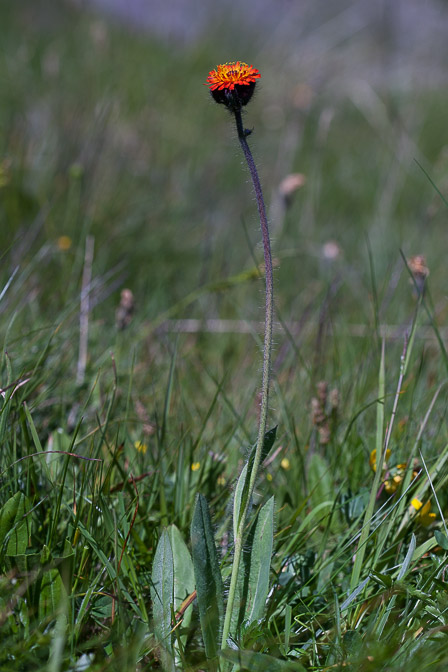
x=416 y=503
x=397 y=474
x=392 y=484
x=372 y=459
x=269 y=477
x=425 y=515
x=64 y=243
x=195 y=466
x=221 y=480
x=285 y=464
x=140 y=447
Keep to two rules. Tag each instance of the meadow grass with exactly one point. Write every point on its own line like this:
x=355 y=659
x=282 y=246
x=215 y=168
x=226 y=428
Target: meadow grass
x=105 y=148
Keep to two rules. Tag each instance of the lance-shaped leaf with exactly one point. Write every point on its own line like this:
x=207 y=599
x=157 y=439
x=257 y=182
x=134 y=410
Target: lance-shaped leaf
x=184 y=583
x=242 y=486
x=253 y=583
x=260 y=662
x=14 y=524
x=162 y=591
x=260 y=563
x=208 y=577
x=51 y=595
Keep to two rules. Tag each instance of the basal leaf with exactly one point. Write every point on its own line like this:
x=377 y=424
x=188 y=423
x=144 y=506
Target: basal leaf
x=441 y=539
x=208 y=577
x=184 y=584
x=260 y=662
x=14 y=524
x=253 y=583
x=162 y=591
x=260 y=563
x=51 y=593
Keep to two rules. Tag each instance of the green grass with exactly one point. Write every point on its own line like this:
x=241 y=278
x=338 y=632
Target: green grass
x=111 y=135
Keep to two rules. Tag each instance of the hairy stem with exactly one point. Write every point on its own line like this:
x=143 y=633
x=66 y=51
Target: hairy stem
x=269 y=314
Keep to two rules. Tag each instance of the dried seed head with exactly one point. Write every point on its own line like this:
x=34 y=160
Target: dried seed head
x=125 y=310
x=324 y=434
x=334 y=399
x=289 y=185
x=317 y=413
x=420 y=271
x=322 y=389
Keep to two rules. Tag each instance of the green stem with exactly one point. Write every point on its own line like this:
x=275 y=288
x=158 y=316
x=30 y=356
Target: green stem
x=269 y=315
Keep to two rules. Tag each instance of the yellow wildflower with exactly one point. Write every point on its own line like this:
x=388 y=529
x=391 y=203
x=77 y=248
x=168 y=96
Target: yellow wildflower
x=372 y=459
x=64 y=243
x=397 y=474
x=140 y=447
x=425 y=516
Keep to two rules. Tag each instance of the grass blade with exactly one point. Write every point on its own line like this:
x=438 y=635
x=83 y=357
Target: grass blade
x=408 y=559
x=380 y=454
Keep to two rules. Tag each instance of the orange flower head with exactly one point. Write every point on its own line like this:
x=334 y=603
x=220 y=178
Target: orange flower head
x=232 y=84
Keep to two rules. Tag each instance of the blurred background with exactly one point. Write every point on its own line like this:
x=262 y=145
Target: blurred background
x=131 y=297
x=107 y=131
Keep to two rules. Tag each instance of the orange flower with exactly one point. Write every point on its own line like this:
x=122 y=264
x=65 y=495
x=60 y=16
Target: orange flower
x=227 y=76
x=232 y=83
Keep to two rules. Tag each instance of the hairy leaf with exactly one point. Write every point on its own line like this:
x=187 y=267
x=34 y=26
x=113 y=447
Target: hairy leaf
x=52 y=592
x=162 y=591
x=260 y=662
x=208 y=577
x=242 y=486
x=184 y=583
x=253 y=583
x=14 y=524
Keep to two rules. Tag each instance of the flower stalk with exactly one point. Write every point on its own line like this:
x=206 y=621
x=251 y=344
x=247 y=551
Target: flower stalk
x=232 y=85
